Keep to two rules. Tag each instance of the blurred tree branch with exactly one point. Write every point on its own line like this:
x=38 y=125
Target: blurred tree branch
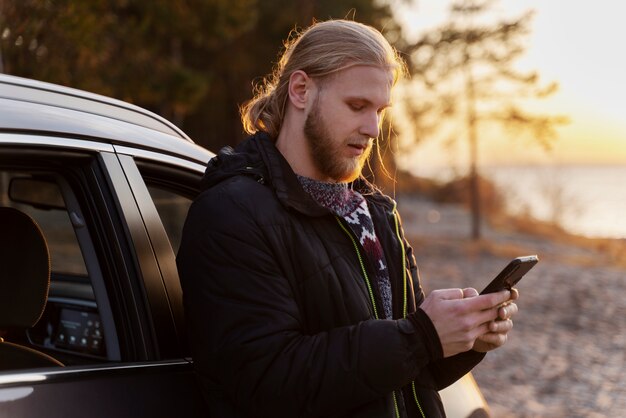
x=467 y=68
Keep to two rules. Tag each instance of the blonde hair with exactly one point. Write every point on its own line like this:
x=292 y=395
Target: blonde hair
x=321 y=50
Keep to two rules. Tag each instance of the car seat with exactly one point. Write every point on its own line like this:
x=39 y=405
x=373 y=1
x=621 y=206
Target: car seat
x=24 y=283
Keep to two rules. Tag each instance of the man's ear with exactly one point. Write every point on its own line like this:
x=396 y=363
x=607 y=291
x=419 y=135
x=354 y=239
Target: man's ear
x=300 y=85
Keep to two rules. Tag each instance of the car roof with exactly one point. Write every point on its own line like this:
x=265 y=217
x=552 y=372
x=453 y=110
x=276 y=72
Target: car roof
x=35 y=106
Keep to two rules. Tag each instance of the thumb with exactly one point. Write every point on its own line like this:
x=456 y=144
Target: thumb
x=448 y=294
x=469 y=292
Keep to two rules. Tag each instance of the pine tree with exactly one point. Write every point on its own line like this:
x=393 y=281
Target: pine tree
x=468 y=65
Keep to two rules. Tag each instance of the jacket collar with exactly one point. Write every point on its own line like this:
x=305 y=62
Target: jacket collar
x=283 y=179
x=290 y=191
x=258 y=157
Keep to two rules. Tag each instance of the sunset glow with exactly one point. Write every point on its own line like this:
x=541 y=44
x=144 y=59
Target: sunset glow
x=577 y=44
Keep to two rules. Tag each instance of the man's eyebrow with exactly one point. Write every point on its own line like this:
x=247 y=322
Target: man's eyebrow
x=367 y=101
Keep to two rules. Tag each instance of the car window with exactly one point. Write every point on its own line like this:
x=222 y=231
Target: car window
x=172 y=208
x=76 y=326
x=172 y=190
x=65 y=254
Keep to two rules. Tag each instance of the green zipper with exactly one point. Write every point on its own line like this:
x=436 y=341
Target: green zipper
x=404 y=309
x=404 y=280
x=371 y=293
x=417 y=402
x=365 y=276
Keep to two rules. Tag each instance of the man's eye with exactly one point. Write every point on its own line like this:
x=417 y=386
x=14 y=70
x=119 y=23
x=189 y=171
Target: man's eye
x=356 y=107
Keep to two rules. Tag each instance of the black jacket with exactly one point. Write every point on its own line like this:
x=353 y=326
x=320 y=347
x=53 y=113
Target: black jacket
x=280 y=310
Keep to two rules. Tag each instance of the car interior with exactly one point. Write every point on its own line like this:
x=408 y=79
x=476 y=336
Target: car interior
x=24 y=285
x=64 y=325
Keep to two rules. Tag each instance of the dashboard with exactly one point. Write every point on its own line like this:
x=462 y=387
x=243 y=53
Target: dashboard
x=70 y=323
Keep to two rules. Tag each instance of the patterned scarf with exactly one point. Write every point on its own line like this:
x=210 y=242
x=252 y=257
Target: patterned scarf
x=352 y=207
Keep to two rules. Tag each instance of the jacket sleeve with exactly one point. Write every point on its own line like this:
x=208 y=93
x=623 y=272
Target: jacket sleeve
x=246 y=331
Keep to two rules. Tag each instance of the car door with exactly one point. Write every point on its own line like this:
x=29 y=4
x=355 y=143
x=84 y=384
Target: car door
x=133 y=361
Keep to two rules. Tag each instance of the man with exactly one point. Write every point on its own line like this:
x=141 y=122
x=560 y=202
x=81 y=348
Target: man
x=302 y=295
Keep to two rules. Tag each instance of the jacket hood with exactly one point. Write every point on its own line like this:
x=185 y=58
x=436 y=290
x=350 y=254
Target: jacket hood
x=230 y=162
x=259 y=158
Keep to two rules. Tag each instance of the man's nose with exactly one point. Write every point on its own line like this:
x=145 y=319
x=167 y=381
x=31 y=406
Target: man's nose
x=370 y=125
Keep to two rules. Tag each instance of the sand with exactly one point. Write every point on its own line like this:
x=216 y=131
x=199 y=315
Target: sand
x=565 y=355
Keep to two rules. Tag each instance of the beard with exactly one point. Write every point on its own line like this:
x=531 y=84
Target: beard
x=327 y=152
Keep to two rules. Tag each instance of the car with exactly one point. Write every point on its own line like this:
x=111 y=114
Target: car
x=93 y=196
x=109 y=185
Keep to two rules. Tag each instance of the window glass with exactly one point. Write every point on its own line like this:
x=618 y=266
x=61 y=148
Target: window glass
x=172 y=208
x=71 y=328
x=55 y=223
x=65 y=255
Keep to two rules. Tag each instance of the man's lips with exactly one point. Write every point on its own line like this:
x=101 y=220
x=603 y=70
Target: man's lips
x=361 y=143
x=358 y=148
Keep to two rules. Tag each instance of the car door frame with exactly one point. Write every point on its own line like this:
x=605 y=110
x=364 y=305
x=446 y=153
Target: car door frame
x=165 y=256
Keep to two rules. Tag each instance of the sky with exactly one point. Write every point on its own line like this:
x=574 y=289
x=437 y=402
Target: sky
x=580 y=45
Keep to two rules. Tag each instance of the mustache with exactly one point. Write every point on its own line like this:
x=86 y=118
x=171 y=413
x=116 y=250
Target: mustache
x=361 y=142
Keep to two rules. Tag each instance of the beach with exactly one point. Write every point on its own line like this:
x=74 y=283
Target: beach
x=565 y=355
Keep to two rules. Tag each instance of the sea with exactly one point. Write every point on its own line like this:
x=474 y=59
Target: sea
x=588 y=200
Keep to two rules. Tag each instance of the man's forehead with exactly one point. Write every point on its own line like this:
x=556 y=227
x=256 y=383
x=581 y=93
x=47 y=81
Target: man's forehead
x=367 y=83
x=373 y=73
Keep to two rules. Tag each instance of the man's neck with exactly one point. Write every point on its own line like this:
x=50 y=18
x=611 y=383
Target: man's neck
x=293 y=145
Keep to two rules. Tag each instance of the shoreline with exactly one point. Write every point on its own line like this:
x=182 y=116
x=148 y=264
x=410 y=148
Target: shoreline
x=565 y=355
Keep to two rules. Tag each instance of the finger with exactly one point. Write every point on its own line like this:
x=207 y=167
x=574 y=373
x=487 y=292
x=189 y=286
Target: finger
x=514 y=294
x=495 y=339
x=500 y=297
x=490 y=300
x=479 y=331
x=448 y=294
x=487 y=315
x=501 y=326
x=479 y=319
x=507 y=311
x=469 y=292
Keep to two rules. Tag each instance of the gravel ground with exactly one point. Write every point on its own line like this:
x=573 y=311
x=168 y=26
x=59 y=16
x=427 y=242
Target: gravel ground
x=565 y=356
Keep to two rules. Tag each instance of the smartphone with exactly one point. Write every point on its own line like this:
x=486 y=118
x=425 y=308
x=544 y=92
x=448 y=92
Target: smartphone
x=511 y=274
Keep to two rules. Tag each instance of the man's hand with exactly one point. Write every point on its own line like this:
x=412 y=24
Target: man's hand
x=498 y=329
x=462 y=316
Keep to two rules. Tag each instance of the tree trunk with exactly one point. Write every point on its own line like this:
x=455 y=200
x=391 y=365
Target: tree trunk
x=474 y=183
